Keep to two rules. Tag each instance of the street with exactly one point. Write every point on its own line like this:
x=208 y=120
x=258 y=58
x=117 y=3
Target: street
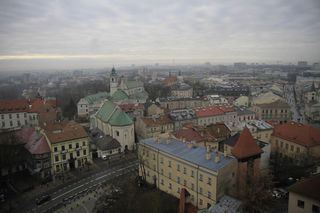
x=83 y=186
x=289 y=94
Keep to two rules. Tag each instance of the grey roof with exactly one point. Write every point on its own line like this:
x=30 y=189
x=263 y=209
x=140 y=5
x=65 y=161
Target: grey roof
x=232 y=140
x=182 y=114
x=195 y=155
x=107 y=143
x=226 y=204
x=244 y=111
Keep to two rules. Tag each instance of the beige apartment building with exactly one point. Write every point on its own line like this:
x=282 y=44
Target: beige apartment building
x=278 y=111
x=172 y=165
x=69 y=145
x=304 y=196
x=148 y=127
x=296 y=141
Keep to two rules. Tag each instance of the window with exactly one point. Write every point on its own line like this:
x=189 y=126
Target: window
x=2 y=116
x=170 y=186
x=63 y=157
x=200 y=202
x=10 y=116
x=161 y=160
x=83 y=143
x=70 y=146
x=56 y=158
x=291 y=147
x=117 y=133
x=18 y=123
x=169 y=175
x=161 y=171
x=3 y=123
x=77 y=145
x=209 y=181
x=169 y=164
x=178 y=190
x=178 y=167
x=281 y=144
x=300 y=203
x=209 y=195
x=84 y=152
x=287 y=146
x=315 y=209
x=18 y=116
x=178 y=180
x=184 y=182
x=192 y=173
x=162 y=182
x=55 y=149
x=200 y=190
x=78 y=153
x=200 y=177
x=184 y=170
x=298 y=149
x=11 y=124
x=62 y=148
x=154 y=156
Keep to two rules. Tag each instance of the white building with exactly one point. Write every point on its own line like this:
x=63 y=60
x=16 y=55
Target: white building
x=111 y=120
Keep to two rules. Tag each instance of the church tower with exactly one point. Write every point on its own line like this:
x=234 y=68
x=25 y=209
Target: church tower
x=113 y=81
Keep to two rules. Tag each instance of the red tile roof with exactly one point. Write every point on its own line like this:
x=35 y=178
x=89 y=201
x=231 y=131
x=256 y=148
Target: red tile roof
x=216 y=110
x=35 y=142
x=162 y=120
x=168 y=81
x=13 y=106
x=245 y=146
x=189 y=135
x=65 y=132
x=23 y=105
x=298 y=133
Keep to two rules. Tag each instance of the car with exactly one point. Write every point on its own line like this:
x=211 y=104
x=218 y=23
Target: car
x=276 y=193
x=43 y=199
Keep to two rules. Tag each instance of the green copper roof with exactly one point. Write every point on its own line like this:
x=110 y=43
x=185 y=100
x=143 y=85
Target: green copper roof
x=111 y=113
x=133 y=84
x=119 y=95
x=96 y=97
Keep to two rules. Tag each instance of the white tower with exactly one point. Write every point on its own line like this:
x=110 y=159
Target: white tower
x=113 y=81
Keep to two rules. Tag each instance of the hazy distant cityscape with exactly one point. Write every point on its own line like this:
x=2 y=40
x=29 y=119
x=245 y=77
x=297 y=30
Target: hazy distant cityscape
x=188 y=107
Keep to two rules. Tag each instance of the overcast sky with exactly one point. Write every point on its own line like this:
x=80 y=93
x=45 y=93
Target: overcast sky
x=39 y=34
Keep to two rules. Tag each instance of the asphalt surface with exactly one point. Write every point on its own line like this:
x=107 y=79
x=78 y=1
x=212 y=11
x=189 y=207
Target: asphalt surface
x=298 y=114
x=69 y=192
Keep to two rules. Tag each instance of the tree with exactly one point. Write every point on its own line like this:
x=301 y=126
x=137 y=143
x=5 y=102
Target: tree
x=257 y=195
x=70 y=110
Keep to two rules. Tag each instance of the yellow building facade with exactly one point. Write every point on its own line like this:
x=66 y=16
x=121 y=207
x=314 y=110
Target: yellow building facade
x=171 y=165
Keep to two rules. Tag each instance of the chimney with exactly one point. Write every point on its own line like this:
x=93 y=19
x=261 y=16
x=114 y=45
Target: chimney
x=217 y=157
x=208 y=153
x=190 y=145
x=225 y=154
x=183 y=140
x=218 y=130
x=157 y=139
x=168 y=140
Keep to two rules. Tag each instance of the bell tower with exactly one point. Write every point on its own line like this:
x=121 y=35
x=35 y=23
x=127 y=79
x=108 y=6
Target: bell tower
x=113 y=81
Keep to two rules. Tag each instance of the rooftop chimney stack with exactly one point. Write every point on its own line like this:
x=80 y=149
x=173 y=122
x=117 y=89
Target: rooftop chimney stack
x=208 y=153
x=217 y=157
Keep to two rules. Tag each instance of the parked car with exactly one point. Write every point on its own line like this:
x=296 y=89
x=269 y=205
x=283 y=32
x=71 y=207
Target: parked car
x=43 y=199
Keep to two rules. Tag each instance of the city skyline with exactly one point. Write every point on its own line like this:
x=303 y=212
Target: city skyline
x=75 y=34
